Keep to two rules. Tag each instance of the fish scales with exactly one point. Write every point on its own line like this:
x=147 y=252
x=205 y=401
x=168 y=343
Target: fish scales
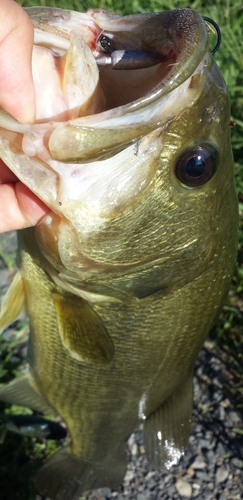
x=136 y=341
x=127 y=273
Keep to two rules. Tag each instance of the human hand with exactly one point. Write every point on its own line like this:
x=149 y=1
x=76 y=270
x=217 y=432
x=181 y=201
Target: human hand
x=19 y=207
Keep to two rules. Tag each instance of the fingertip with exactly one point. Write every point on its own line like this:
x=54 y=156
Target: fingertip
x=32 y=208
x=17 y=95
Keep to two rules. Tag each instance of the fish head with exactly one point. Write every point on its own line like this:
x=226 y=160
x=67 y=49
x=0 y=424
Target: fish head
x=135 y=165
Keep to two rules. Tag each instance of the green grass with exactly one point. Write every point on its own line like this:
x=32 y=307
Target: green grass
x=21 y=457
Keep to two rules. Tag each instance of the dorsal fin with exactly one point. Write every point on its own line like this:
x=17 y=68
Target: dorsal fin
x=82 y=331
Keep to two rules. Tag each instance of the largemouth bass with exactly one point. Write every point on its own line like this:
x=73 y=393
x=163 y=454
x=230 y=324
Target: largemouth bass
x=126 y=274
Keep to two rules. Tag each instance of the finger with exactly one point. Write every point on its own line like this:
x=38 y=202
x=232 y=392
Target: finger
x=19 y=207
x=16 y=42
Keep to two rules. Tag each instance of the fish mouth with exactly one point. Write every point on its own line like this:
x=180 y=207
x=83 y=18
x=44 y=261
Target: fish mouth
x=88 y=116
x=180 y=39
x=77 y=98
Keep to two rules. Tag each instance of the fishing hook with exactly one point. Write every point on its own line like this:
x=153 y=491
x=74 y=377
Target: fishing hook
x=215 y=25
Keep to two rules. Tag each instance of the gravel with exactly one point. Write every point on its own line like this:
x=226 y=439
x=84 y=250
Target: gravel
x=212 y=466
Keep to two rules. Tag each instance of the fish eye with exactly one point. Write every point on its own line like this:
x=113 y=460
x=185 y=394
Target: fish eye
x=196 y=166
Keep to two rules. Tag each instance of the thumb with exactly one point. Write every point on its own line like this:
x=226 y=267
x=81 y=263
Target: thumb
x=16 y=42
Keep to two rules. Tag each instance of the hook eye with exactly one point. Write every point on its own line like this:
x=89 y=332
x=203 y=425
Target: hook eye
x=215 y=25
x=104 y=43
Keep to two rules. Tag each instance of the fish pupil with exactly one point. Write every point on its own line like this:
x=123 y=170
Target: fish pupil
x=196 y=166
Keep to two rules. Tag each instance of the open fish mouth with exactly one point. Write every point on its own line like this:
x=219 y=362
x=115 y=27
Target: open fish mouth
x=88 y=71
x=88 y=111
x=176 y=40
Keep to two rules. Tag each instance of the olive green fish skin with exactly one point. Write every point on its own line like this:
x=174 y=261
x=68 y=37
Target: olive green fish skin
x=121 y=299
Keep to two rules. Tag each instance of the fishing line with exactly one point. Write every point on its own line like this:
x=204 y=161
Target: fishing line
x=215 y=25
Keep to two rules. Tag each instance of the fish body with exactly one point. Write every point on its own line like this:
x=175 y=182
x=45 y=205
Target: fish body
x=126 y=274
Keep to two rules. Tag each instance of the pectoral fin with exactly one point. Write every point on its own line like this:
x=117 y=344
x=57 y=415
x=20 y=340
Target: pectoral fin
x=166 y=430
x=22 y=391
x=14 y=301
x=82 y=331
